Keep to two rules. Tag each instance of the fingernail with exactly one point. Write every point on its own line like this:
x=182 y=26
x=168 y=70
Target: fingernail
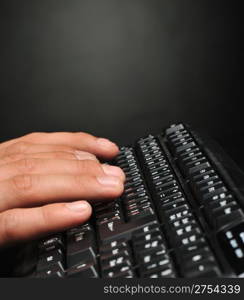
x=108 y=180
x=80 y=155
x=104 y=143
x=113 y=171
x=80 y=206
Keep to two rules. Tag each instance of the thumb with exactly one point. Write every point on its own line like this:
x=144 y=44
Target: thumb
x=28 y=223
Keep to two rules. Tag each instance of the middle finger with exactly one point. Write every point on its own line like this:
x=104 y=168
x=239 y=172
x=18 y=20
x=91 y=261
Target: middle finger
x=57 y=166
x=80 y=155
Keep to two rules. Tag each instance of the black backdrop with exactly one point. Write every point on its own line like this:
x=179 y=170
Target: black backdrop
x=121 y=69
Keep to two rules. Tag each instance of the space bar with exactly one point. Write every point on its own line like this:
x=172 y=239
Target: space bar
x=116 y=229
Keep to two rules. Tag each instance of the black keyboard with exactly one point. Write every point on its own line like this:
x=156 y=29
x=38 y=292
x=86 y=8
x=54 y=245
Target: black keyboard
x=181 y=215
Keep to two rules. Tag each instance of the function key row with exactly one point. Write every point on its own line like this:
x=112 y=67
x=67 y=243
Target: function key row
x=181 y=227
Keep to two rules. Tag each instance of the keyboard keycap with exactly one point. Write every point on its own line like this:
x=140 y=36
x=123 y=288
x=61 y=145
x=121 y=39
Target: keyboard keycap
x=80 y=247
x=85 y=270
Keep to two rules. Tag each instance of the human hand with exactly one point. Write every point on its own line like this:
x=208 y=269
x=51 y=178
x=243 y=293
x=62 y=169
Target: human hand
x=43 y=176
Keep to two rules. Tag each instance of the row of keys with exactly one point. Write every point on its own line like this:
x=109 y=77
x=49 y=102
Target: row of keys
x=81 y=252
x=135 y=199
x=181 y=226
x=221 y=208
x=51 y=259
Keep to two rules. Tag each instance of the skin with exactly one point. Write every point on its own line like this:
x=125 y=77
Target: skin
x=47 y=179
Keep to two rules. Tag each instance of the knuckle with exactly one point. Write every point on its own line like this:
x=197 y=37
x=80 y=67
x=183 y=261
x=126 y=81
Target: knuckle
x=26 y=165
x=92 y=157
x=9 y=223
x=60 y=155
x=45 y=215
x=82 y=155
x=87 y=155
x=89 y=166
x=80 y=182
x=63 y=155
x=22 y=183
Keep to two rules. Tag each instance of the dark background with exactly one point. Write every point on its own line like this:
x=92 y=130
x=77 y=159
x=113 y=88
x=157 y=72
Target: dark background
x=122 y=69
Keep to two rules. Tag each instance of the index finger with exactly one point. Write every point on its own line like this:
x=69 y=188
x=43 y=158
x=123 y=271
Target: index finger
x=101 y=147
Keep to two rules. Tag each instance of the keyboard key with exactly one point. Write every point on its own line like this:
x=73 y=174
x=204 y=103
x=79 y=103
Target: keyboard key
x=53 y=271
x=51 y=243
x=53 y=258
x=80 y=247
x=85 y=270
